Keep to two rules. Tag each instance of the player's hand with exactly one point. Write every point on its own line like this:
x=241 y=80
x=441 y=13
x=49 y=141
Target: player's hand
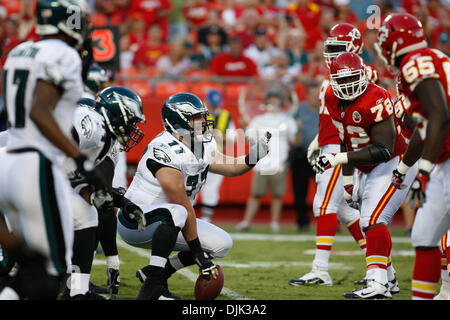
x=101 y=200
x=348 y=196
x=397 y=179
x=259 y=149
x=92 y=175
x=418 y=188
x=313 y=152
x=133 y=212
x=207 y=267
x=324 y=162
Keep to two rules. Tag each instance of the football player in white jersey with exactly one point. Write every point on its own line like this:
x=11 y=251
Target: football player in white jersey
x=42 y=85
x=101 y=128
x=170 y=174
x=97 y=80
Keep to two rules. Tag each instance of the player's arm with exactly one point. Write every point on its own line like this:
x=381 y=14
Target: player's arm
x=172 y=183
x=232 y=167
x=347 y=181
x=383 y=140
x=45 y=97
x=434 y=103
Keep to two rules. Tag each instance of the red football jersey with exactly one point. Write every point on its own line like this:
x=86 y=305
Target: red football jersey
x=419 y=65
x=354 y=124
x=328 y=133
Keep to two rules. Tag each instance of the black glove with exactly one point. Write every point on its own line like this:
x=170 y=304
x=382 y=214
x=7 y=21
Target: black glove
x=204 y=263
x=133 y=213
x=92 y=175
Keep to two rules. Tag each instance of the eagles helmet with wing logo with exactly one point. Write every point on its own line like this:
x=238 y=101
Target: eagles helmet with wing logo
x=122 y=110
x=179 y=108
x=96 y=80
x=66 y=16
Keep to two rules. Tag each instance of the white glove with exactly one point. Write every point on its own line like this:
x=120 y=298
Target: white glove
x=258 y=149
x=329 y=160
x=348 y=192
x=313 y=151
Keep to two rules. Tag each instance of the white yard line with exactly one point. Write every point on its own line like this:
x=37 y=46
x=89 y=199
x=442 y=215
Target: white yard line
x=185 y=272
x=298 y=238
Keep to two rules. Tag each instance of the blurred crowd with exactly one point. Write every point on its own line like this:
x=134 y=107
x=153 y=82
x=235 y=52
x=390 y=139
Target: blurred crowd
x=269 y=39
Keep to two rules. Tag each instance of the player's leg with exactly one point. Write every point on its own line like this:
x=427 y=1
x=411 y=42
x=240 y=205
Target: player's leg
x=210 y=195
x=259 y=188
x=106 y=235
x=85 y=227
x=163 y=225
x=326 y=201
x=431 y=223
x=444 y=293
x=380 y=201
x=41 y=215
x=216 y=242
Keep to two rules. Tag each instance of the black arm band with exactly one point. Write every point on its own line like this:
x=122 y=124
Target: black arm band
x=247 y=161
x=195 y=246
x=379 y=153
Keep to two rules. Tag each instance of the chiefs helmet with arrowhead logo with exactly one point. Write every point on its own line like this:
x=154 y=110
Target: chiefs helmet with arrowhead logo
x=348 y=76
x=399 y=34
x=343 y=37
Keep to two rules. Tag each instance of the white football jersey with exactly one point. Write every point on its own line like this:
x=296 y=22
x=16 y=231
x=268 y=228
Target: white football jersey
x=168 y=151
x=92 y=137
x=50 y=60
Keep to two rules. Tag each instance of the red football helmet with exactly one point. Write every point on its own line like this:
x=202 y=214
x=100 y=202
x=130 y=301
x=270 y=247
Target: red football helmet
x=399 y=34
x=343 y=37
x=348 y=76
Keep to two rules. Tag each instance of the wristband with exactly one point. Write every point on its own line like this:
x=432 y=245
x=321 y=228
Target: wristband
x=425 y=165
x=346 y=180
x=247 y=161
x=341 y=158
x=195 y=246
x=402 y=168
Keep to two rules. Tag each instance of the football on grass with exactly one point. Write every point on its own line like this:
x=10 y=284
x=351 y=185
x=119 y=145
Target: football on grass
x=209 y=289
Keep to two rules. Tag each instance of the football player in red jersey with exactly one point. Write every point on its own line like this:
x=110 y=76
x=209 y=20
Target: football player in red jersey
x=425 y=81
x=363 y=114
x=329 y=205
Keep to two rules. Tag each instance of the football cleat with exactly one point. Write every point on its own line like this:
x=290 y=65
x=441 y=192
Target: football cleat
x=444 y=293
x=373 y=290
x=88 y=296
x=151 y=291
x=113 y=282
x=393 y=286
x=316 y=276
x=142 y=274
x=98 y=289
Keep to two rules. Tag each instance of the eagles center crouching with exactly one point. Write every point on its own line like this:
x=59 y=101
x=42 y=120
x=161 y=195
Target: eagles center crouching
x=170 y=174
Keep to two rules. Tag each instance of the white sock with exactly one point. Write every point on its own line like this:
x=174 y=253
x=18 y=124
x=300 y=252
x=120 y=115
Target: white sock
x=377 y=274
x=79 y=283
x=321 y=259
x=175 y=262
x=390 y=272
x=158 y=261
x=9 y=294
x=112 y=262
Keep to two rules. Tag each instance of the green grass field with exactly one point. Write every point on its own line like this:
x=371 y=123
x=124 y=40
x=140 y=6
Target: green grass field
x=261 y=263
